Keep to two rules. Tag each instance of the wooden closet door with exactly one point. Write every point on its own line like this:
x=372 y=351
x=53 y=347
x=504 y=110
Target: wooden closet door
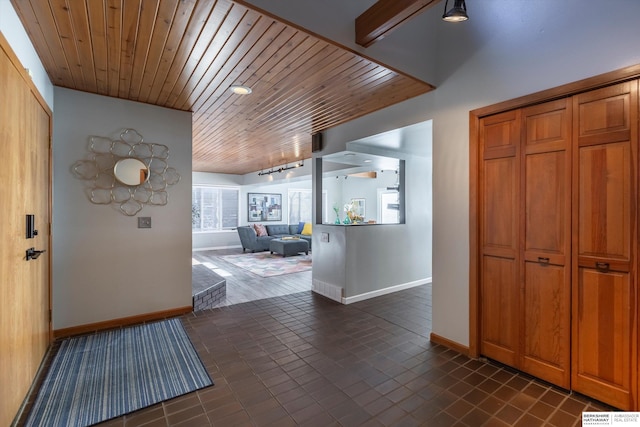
x=546 y=249
x=499 y=185
x=604 y=356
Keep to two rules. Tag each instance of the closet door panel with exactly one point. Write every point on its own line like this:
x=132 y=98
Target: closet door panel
x=604 y=331
x=546 y=247
x=605 y=200
x=546 y=194
x=500 y=134
x=499 y=307
x=604 y=327
x=499 y=291
x=499 y=192
x=546 y=352
x=605 y=115
x=500 y=207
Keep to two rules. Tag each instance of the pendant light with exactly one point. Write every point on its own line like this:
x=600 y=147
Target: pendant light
x=457 y=13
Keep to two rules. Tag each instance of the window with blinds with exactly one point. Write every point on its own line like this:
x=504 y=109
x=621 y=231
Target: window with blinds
x=214 y=208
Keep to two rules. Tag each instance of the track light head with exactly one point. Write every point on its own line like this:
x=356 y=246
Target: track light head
x=457 y=13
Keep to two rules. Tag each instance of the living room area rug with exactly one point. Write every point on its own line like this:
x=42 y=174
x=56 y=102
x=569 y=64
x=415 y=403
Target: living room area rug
x=265 y=264
x=96 y=377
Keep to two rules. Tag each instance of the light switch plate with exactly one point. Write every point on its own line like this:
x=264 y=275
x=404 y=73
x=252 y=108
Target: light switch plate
x=144 y=222
x=324 y=237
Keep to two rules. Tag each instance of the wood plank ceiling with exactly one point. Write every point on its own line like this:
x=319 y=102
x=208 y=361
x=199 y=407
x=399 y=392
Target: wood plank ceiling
x=185 y=54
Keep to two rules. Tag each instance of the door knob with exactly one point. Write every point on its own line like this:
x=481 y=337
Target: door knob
x=33 y=254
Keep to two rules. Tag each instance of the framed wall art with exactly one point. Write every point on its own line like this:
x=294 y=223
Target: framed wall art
x=264 y=207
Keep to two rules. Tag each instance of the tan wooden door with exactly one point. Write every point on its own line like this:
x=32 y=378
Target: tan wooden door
x=24 y=285
x=546 y=249
x=499 y=270
x=604 y=356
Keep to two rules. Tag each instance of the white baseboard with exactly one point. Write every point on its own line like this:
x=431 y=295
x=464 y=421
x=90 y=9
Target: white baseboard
x=214 y=248
x=385 y=291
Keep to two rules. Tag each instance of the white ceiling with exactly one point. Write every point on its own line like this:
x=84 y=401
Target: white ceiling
x=415 y=140
x=361 y=161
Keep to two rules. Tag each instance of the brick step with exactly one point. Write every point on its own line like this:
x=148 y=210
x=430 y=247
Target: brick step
x=208 y=288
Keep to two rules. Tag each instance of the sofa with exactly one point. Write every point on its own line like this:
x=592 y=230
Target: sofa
x=251 y=241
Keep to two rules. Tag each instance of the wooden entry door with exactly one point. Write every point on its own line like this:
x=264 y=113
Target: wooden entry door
x=24 y=285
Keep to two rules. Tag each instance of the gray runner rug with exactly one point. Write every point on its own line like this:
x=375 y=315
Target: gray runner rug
x=97 y=377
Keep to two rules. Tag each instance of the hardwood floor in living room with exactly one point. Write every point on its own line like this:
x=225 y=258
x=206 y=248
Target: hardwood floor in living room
x=244 y=286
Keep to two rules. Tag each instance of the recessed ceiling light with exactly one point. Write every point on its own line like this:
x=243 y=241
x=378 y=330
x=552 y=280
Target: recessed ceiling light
x=240 y=89
x=367 y=161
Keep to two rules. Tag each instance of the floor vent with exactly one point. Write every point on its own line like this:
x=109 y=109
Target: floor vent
x=328 y=290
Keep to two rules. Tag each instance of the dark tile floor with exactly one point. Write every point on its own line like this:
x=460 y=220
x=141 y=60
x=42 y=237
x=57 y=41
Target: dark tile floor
x=304 y=360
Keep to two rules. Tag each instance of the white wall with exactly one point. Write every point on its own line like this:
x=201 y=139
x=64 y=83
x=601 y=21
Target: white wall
x=104 y=267
x=506 y=49
x=12 y=29
x=370 y=260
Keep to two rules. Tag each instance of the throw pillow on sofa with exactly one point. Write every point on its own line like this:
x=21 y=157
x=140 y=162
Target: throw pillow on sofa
x=300 y=227
x=261 y=230
x=306 y=230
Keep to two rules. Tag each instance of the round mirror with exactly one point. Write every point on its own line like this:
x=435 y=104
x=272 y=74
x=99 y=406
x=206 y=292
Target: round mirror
x=131 y=171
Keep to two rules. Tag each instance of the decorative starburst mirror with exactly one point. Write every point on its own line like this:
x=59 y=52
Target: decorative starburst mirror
x=127 y=172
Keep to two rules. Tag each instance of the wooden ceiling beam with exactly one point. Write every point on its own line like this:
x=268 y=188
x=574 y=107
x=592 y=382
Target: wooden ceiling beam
x=385 y=16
